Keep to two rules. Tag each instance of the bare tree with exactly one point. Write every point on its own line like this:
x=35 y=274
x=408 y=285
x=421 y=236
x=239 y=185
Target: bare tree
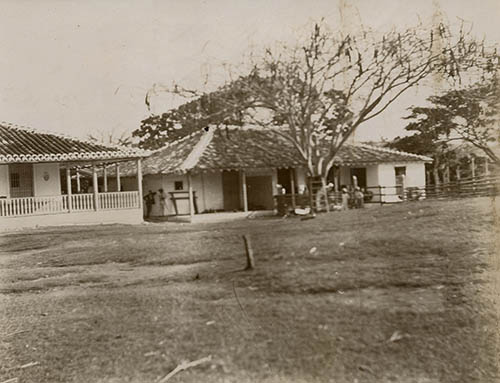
x=110 y=138
x=319 y=91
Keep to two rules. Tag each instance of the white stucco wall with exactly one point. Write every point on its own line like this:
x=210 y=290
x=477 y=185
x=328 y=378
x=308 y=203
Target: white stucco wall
x=415 y=176
x=208 y=188
x=371 y=176
x=46 y=187
x=4 y=180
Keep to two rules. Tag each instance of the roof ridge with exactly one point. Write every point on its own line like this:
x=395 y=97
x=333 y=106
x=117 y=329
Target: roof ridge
x=199 y=148
x=394 y=151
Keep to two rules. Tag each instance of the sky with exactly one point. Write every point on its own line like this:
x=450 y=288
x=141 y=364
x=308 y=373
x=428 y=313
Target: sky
x=84 y=67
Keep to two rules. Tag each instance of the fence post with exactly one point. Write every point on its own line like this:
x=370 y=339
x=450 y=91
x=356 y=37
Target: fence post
x=403 y=185
x=68 y=186
x=311 y=198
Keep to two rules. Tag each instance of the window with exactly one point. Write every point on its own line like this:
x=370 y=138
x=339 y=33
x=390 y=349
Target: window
x=400 y=172
x=21 y=180
x=178 y=185
x=14 y=180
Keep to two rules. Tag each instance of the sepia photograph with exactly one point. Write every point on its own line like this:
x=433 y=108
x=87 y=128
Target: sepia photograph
x=249 y=191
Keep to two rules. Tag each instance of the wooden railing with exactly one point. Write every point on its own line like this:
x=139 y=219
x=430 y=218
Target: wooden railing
x=11 y=207
x=15 y=207
x=81 y=202
x=121 y=200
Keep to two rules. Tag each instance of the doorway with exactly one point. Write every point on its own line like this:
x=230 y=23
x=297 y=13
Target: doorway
x=231 y=190
x=285 y=179
x=260 y=192
x=360 y=174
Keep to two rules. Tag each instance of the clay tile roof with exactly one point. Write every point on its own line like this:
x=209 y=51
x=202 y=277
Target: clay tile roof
x=21 y=144
x=244 y=148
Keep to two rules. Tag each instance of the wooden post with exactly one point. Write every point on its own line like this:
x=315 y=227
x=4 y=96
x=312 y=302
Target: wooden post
x=355 y=181
x=95 y=187
x=78 y=186
x=472 y=167
x=486 y=167
x=118 y=181
x=249 y=252
x=105 y=178
x=139 y=181
x=403 y=179
x=68 y=186
x=457 y=171
x=244 y=187
x=311 y=198
x=190 y=193
x=292 y=184
x=336 y=176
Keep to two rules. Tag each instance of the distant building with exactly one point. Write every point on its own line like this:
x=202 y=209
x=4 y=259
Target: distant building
x=40 y=181
x=231 y=169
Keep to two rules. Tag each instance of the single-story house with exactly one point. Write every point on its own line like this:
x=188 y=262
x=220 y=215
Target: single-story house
x=231 y=169
x=40 y=180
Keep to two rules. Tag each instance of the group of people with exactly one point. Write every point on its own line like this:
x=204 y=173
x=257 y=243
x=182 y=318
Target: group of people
x=150 y=199
x=354 y=199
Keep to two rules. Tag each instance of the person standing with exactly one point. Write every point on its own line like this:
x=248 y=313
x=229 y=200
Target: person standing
x=149 y=200
x=162 y=196
x=358 y=198
x=345 y=198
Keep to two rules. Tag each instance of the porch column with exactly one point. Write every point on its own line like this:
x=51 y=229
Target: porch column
x=78 y=187
x=190 y=194
x=118 y=182
x=68 y=186
x=472 y=167
x=292 y=185
x=244 y=187
x=105 y=178
x=486 y=167
x=457 y=170
x=336 y=178
x=403 y=185
x=95 y=187
x=139 y=181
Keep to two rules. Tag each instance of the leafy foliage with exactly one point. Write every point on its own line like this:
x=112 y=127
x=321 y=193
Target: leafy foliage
x=320 y=90
x=469 y=115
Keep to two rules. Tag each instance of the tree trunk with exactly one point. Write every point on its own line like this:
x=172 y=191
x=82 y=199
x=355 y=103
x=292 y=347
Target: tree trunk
x=322 y=195
x=435 y=173
x=324 y=187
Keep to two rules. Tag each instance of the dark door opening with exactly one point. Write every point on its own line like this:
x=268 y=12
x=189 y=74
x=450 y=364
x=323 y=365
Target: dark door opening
x=260 y=193
x=285 y=179
x=360 y=174
x=231 y=190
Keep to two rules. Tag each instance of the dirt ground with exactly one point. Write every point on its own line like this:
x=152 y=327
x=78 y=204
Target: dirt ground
x=401 y=293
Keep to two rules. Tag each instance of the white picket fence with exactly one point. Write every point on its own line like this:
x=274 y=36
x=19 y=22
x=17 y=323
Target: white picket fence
x=16 y=207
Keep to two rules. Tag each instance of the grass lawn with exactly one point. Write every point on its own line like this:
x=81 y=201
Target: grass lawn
x=402 y=293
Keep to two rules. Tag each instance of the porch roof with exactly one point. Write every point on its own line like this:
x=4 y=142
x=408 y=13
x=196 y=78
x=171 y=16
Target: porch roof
x=21 y=144
x=245 y=148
